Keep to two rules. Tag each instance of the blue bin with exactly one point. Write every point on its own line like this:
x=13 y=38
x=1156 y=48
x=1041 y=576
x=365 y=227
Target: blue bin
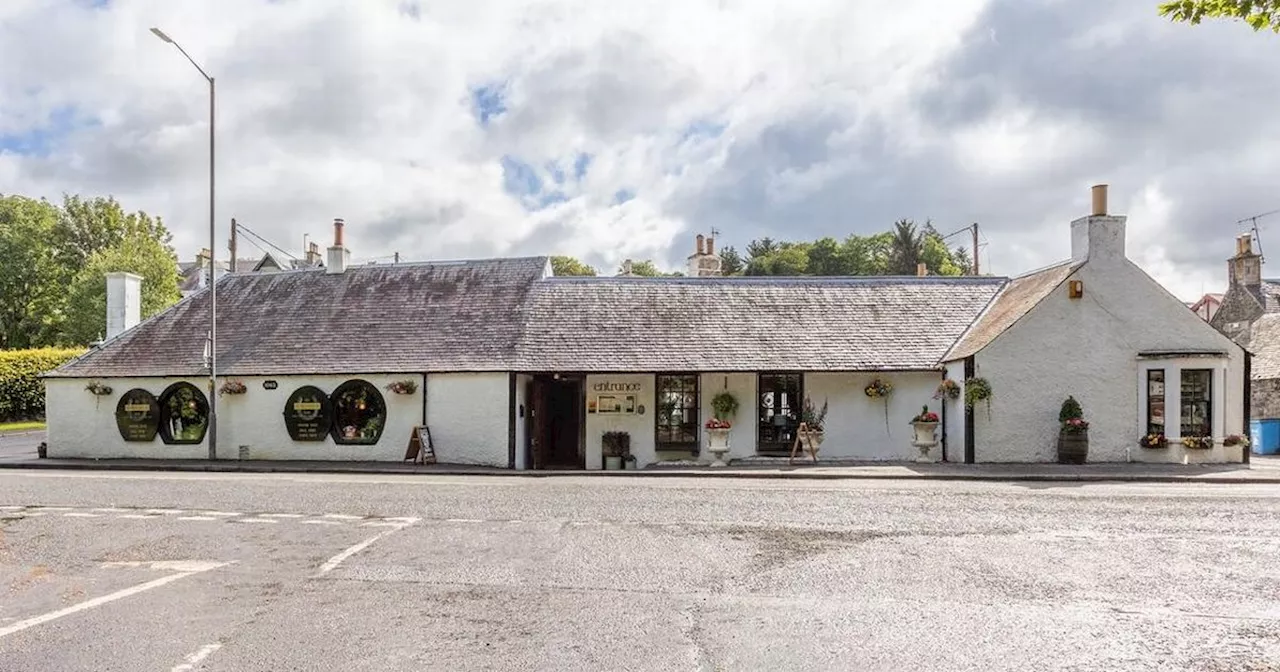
x=1266 y=436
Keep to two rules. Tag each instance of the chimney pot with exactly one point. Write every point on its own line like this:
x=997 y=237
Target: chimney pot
x=699 y=248
x=337 y=231
x=711 y=245
x=1099 y=200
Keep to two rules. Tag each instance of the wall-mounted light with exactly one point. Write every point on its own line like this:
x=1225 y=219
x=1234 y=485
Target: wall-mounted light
x=1075 y=289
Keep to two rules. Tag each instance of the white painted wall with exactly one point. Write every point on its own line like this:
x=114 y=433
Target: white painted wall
x=1088 y=348
x=855 y=424
x=742 y=435
x=522 y=420
x=639 y=425
x=468 y=414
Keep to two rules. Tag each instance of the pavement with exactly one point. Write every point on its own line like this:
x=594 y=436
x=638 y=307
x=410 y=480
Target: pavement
x=19 y=452
x=222 y=572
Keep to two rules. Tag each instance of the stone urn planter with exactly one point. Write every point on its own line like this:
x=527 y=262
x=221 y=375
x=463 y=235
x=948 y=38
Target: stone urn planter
x=718 y=445
x=925 y=439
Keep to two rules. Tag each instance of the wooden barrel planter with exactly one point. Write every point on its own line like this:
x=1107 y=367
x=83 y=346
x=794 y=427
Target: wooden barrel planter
x=1073 y=447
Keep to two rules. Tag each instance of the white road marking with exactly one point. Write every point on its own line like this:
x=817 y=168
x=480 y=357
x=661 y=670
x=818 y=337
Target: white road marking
x=119 y=594
x=138 y=516
x=165 y=511
x=33 y=514
x=54 y=508
x=376 y=524
x=281 y=515
x=188 y=566
x=332 y=563
x=463 y=520
x=75 y=514
x=12 y=508
x=110 y=510
x=221 y=514
x=196 y=518
x=409 y=520
x=256 y=520
x=342 y=516
x=195 y=658
x=321 y=522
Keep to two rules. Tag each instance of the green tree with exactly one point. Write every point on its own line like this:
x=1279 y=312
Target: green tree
x=87 y=226
x=31 y=291
x=786 y=259
x=561 y=265
x=139 y=253
x=906 y=248
x=1260 y=14
x=731 y=263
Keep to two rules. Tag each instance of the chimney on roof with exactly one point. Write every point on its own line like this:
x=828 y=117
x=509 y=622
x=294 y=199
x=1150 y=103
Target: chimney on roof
x=124 y=302
x=1245 y=269
x=1099 y=237
x=339 y=256
x=704 y=262
x=921 y=270
x=626 y=269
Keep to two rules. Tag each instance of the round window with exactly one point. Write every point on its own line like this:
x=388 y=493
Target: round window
x=138 y=415
x=359 y=413
x=308 y=414
x=184 y=414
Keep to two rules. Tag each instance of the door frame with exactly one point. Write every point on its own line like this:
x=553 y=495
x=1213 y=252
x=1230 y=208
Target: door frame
x=535 y=425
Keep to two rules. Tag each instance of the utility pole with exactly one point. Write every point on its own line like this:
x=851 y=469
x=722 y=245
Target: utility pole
x=233 y=245
x=975 y=248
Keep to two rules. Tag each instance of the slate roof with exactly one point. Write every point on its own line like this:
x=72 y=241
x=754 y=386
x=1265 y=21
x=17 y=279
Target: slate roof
x=1022 y=294
x=748 y=324
x=458 y=316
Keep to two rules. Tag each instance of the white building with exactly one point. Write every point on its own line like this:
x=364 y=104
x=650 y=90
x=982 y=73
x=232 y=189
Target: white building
x=509 y=366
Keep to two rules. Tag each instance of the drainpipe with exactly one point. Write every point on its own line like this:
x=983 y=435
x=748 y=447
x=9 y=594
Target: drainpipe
x=1248 y=405
x=943 y=416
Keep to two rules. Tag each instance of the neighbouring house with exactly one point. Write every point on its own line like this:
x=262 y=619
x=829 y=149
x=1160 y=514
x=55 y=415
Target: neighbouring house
x=511 y=366
x=1206 y=306
x=1250 y=314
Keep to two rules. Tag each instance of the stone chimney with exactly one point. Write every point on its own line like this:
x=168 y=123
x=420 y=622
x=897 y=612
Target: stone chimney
x=1245 y=268
x=922 y=270
x=704 y=262
x=313 y=255
x=1100 y=236
x=124 y=302
x=339 y=256
x=626 y=269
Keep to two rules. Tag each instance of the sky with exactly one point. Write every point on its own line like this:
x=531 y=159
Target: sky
x=443 y=129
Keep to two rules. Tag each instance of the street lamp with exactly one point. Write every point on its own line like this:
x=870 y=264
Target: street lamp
x=213 y=271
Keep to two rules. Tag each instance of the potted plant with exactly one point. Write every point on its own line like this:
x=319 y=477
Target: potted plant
x=814 y=421
x=1197 y=442
x=1073 y=433
x=925 y=423
x=615 y=445
x=947 y=389
x=718 y=439
x=1153 y=441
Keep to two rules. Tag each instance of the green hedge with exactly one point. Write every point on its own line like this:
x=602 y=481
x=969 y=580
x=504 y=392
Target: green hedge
x=21 y=390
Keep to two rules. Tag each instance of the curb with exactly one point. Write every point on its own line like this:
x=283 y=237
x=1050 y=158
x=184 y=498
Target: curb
x=234 y=467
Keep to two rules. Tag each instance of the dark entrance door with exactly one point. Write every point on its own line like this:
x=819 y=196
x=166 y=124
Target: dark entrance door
x=555 y=427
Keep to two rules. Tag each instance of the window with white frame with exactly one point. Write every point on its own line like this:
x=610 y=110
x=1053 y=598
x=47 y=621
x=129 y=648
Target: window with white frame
x=1182 y=396
x=1197 y=403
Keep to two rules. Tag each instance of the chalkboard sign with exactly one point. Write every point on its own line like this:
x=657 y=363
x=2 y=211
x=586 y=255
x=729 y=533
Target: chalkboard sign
x=138 y=415
x=308 y=414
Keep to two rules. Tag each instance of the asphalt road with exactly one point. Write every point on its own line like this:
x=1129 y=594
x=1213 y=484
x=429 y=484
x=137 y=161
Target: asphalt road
x=176 y=572
x=19 y=445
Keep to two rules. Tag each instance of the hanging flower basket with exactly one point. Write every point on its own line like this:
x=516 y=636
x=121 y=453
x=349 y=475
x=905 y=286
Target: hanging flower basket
x=98 y=389
x=975 y=390
x=232 y=387
x=403 y=387
x=947 y=389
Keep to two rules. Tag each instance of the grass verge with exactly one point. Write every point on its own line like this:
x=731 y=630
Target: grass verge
x=25 y=426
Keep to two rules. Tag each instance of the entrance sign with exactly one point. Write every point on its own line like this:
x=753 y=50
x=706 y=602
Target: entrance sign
x=420 y=449
x=308 y=414
x=138 y=415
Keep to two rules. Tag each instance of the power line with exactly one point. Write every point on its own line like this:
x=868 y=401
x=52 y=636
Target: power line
x=251 y=232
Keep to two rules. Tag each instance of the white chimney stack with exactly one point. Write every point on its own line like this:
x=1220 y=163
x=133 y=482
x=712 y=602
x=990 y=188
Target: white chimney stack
x=339 y=256
x=1100 y=236
x=124 y=302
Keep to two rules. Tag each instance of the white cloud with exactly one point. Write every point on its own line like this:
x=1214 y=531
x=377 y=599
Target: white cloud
x=763 y=118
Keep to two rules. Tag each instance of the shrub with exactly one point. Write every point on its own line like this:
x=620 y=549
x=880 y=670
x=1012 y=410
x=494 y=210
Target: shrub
x=21 y=390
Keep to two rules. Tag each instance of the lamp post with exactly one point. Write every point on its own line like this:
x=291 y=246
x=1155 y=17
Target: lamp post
x=213 y=271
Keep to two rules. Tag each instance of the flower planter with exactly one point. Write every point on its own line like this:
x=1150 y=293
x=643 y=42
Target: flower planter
x=718 y=445
x=612 y=463
x=1073 y=447
x=924 y=439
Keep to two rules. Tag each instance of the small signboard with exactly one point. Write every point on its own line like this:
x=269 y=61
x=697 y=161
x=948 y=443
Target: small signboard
x=420 y=448
x=138 y=415
x=308 y=414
